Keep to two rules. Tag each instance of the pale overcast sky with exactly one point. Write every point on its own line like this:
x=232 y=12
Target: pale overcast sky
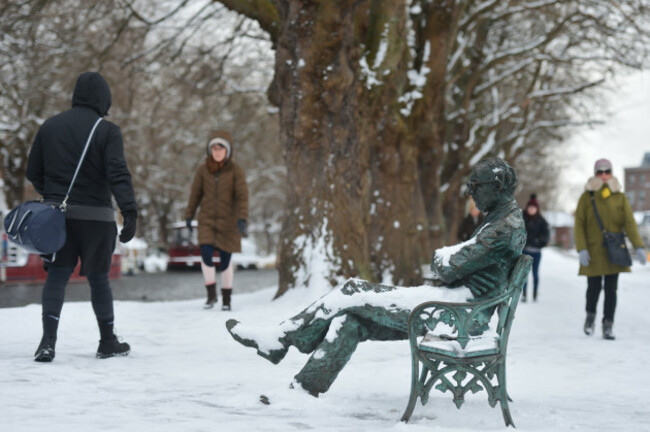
x=624 y=139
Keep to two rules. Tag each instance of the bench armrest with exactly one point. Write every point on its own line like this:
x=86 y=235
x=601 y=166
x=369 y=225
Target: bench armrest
x=466 y=319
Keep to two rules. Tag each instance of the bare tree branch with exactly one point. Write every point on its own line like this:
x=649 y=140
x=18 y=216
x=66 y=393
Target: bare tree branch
x=262 y=11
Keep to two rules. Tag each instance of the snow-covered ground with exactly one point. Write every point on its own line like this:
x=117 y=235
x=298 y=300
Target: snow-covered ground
x=185 y=373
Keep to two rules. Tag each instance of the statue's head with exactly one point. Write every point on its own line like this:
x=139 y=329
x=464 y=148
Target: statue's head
x=491 y=182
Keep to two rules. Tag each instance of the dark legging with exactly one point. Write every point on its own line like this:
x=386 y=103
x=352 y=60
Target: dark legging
x=54 y=291
x=537 y=257
x=54 y=294
x=101 y=296
x=206 y=255
x=594 y=286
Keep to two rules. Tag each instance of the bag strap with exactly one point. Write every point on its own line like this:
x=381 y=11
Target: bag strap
x=83 y=155
x=600 y=222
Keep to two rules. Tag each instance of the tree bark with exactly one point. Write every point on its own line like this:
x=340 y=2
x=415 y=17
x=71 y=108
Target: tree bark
x=397 y=231
x=324 y=234
x=435 y=34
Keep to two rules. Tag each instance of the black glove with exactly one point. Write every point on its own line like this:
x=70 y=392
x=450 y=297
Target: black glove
x=243 y=227
x=128 y=228
x=188 y=224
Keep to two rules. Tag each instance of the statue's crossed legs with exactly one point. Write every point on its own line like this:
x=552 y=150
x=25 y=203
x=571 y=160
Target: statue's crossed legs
x=332 y=327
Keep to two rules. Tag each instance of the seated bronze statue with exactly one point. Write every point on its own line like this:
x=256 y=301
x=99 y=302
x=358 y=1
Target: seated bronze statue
x=331 y=328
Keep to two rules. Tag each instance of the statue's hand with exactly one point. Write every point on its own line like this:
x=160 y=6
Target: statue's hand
x=482 y=283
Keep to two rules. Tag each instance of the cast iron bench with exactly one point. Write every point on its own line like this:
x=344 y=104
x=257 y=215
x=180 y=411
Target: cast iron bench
x=453 y=358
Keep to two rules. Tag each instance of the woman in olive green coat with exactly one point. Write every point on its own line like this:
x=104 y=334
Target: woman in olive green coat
x=219 y=187
x=616 y=215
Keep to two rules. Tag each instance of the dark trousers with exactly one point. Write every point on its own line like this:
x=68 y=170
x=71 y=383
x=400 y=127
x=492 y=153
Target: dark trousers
x=594 y=286
x=53 y=296
x=537 y=257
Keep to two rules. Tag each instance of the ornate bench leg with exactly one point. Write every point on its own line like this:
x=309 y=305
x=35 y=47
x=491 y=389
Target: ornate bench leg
x=414 y=389
x=506 y=413
x=503 y=395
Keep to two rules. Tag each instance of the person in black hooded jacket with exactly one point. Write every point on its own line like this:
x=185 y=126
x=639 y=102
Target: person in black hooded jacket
x=90 y=218
x=537 y=237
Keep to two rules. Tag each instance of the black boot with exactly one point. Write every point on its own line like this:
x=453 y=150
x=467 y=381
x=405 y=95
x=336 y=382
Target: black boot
x=212 y=296
x=109 y=345
x=225 y=295
x=45 y=351
x=589 y=323
x=608 y=332
x=112 y=347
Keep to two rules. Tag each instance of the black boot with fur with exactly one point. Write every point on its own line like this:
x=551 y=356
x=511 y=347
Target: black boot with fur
x=225 y=294
x=212 y=296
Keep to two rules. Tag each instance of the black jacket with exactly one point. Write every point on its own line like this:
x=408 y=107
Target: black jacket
x=537 y=231
x=468 y=226
x=60 y=141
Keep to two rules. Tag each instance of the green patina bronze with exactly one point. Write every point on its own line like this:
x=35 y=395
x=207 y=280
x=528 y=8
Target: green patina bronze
x=452 y=363
x=332 y=327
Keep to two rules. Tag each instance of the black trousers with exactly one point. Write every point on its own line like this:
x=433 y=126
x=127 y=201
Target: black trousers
x=101 y=297
x=93 y=242
x=594 y=286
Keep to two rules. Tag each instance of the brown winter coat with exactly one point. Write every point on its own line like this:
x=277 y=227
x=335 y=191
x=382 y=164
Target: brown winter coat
x=223 y=197
x=616 y=214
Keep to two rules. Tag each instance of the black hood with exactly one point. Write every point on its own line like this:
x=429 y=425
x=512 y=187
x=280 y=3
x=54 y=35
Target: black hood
x=92 y=90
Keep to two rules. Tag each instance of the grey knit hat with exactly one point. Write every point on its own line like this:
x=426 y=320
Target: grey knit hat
x=222 y=138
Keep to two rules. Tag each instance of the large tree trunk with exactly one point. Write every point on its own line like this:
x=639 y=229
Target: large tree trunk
x=397 y=234
x=355 y=202
x=435 y=33
x=324 y=234
x=398 y=241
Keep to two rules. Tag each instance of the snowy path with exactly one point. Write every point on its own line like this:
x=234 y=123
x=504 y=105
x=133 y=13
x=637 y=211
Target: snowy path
x=186 y=374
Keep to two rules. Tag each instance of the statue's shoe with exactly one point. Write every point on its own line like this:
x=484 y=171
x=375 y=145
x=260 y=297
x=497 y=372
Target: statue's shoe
x=267 y=342
x=297 y=385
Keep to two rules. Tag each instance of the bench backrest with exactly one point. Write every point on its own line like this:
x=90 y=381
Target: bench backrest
x=470 y=319
x=506 y=310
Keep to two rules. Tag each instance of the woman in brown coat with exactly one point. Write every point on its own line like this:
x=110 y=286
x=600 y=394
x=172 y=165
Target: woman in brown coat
x=220 y=189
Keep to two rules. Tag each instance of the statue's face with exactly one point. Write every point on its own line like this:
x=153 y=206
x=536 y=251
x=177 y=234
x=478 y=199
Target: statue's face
x=483 y=189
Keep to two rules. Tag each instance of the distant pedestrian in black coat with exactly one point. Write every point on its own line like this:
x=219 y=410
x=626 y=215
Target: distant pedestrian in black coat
x=537 y=237
x=469 y=224
x=90 y=218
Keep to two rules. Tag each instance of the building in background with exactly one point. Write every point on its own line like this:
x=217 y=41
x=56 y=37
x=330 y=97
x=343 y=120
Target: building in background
x=637 y=185
x=561 y=225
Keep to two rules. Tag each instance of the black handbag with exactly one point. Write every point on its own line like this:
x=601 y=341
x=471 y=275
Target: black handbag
x=39 y=227
x=614 y=243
